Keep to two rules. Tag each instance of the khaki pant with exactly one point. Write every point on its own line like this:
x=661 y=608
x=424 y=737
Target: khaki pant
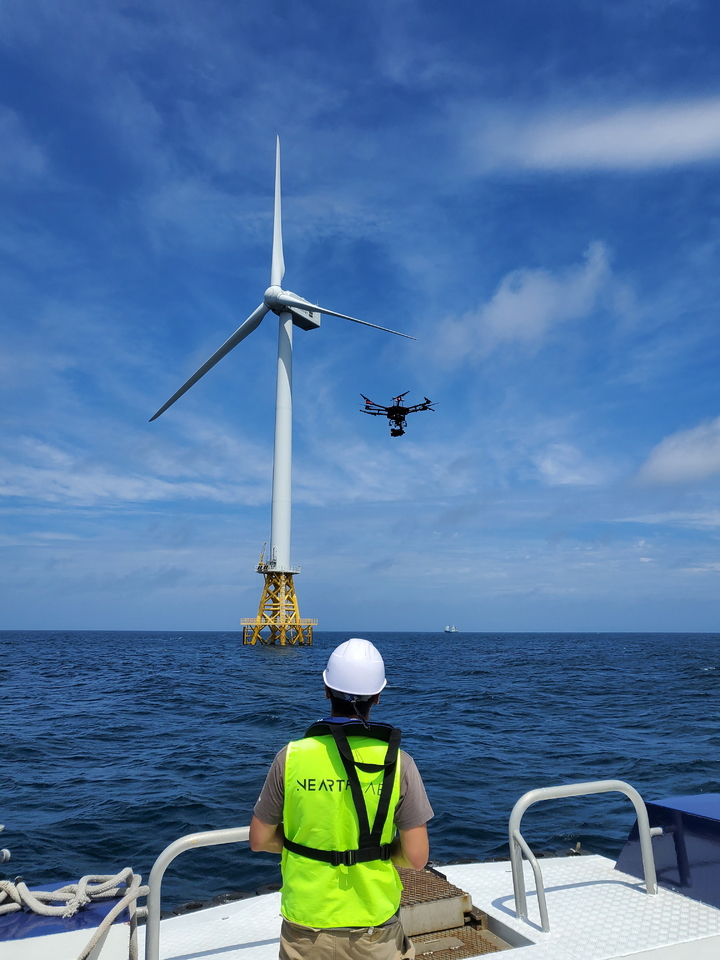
x=345 y=943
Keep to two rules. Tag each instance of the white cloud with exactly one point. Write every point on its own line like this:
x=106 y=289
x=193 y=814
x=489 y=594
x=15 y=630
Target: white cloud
x=526 y=305
x=629 y=138
x=562 y=464
x=684 y=456
x=20 y=156
x=703 y=568
x=98 y=483
x=45 y=473
x=707 y=520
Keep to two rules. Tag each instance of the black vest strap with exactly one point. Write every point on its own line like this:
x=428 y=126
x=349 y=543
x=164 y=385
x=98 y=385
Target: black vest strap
x=369 y=845
x=347 y=858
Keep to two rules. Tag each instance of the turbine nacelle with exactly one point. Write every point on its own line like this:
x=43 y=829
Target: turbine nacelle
x=277 y=300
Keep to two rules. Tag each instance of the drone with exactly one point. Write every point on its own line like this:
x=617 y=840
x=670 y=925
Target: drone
x=396 y=412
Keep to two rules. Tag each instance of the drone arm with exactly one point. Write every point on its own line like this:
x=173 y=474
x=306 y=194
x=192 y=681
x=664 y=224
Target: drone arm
x=372 y=407
x=425 y=405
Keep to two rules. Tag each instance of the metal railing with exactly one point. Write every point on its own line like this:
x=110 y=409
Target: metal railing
x=518 y=846
x=192 y=841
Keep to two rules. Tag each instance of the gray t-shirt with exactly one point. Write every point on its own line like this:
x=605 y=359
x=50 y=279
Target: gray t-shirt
x=413 y=809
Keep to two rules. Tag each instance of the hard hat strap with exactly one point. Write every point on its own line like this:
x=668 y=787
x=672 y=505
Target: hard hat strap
x=362 y=719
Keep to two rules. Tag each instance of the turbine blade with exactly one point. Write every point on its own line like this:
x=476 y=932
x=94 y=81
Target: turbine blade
x=277 y=270
x=301 y=304
x=375 y=326
x=244 y=330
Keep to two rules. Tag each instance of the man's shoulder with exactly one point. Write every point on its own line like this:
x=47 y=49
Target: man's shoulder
x=408 y=766
x=280 y=757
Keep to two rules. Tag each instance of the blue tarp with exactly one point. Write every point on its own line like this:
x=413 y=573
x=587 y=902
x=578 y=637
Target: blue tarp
x=23 y=924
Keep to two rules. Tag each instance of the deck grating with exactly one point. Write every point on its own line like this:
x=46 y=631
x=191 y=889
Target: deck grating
x=423 y=886
x=476 y=944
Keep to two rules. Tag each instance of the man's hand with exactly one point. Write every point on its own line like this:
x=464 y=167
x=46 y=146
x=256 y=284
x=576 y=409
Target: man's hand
x=265 y=836
x=411 y=848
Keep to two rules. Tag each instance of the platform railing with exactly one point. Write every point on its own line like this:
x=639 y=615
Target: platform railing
x=518 y=846
x=192 y=841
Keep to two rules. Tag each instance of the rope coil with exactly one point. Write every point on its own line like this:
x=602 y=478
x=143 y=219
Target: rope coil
x=126 y=885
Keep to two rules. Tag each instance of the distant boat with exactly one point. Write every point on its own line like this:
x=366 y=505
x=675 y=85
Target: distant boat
x=451 y=629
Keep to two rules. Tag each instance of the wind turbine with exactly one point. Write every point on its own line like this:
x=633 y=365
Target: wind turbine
x=278 y=609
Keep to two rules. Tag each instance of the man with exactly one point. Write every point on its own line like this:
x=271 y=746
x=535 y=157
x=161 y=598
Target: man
x=331 y=805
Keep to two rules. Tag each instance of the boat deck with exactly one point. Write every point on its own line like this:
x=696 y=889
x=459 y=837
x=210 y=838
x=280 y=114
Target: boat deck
x=596 y=913
x=243 y=930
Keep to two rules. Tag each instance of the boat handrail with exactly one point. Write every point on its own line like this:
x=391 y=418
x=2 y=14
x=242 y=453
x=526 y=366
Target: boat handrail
x=192 y=841
x=518 y=846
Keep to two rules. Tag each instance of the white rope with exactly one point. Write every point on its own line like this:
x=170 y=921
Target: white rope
x=15 y=896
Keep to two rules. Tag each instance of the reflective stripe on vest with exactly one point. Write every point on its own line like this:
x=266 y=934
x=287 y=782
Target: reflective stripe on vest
x=320 y=814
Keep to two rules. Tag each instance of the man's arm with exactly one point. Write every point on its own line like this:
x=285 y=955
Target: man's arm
x=266 y=836
x=266 y=832
x=410 y=849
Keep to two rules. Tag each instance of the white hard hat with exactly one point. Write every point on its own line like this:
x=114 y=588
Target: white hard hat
x=357 y=668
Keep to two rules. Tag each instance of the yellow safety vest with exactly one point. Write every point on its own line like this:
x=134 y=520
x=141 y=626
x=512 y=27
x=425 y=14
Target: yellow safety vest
x=336 y=867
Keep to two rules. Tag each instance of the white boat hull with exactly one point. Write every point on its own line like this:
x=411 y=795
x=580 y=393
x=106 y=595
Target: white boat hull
x=596 y=913
x=67 y=946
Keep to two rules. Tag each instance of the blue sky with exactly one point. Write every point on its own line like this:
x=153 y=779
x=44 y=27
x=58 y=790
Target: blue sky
x=532 y=190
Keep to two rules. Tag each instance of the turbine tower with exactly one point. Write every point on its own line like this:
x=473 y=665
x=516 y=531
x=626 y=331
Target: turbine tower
x=278 y=611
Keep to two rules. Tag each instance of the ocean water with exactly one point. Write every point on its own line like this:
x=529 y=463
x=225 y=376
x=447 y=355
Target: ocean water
x=115 y=744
